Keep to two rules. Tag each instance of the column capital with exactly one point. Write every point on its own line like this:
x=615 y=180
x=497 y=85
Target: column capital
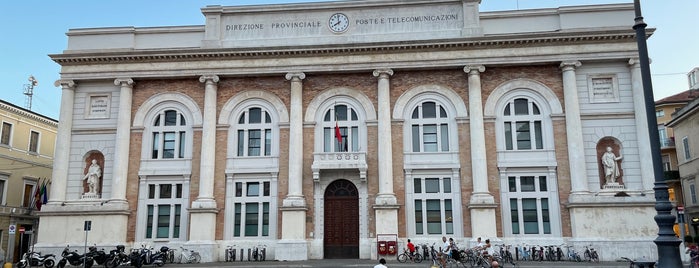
x=123 y=82
x=474 y=69
x=637 y=61
x=64 y=83
x=295 y=76
x=209 y=78
x=570 y=65
x=383 y=73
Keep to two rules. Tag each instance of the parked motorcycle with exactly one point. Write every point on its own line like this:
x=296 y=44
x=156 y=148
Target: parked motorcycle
x=36 y=259
x=74 y=259
x=118 y=257
x=150 y=256
x=98 y=256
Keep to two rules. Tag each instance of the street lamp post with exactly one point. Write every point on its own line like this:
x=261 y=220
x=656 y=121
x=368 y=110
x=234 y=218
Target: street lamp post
x=668 y=245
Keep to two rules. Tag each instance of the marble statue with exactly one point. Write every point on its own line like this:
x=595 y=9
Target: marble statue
x=93 y=176
x=611 y=167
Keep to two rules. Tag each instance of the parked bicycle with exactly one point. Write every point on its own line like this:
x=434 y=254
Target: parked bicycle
x=230 y=253
x=591 y=254
x=406 y=255
x=188 y=256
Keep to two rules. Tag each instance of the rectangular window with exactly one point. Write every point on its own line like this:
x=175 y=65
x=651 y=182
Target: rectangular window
x=33 y=141
x=434 y=217
x=328 y=139
x=444 y=131
x=355 y=139
x=685 y=145
x=182 y=143
x=508 y=135
x=659 y=113
x=28 y=196
x=416 y=138
x=164 y=211
x=6 y=132
x=168 y=145
x=241 y=142
x=529 y=209
x=251 y=219
x=514 y=216
x=537 y=135
x=666 y=163
x=693 y=193
x=418 y=217
x=433 y=206
x=156 y=145
x=429 y=138
x=530 y=216
x=254 y=139
x=238 y=218
x=524 y=139
x=268 y=142
x=252 y=208
x=3 y=183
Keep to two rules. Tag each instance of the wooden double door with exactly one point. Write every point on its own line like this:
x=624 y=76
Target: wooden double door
x=341 y=238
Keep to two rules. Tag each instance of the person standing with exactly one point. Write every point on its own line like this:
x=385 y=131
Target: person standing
x=382 y=264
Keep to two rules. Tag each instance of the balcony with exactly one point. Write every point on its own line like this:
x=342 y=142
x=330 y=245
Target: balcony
x=667 y=143
x=339 y=160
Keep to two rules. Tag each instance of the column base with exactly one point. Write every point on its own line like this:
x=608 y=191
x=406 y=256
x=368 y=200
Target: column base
x=386 y=200
x=483 y=221
x=291 y=250
x=294 y=202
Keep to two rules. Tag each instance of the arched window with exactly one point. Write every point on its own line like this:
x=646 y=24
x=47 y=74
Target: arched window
x=341 y=129
x=169 y=133
x=429 y=128
x=254 y=132
x=522 y=125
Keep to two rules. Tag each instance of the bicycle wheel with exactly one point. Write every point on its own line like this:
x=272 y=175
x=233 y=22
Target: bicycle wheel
x=402 y=258
x=195 y=257
x=417 y=258
x=587 y=256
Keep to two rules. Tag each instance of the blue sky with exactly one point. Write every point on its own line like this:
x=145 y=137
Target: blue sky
x=33 y=29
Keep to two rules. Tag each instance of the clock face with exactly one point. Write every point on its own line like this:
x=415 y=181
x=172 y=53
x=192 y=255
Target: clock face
x=338 y=23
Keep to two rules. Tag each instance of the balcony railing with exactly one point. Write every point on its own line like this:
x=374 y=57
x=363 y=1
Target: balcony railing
x=339 y=160
x=668 y=142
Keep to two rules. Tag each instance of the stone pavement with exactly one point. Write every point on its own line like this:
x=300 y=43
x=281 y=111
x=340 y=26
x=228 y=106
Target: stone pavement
x=391 y=263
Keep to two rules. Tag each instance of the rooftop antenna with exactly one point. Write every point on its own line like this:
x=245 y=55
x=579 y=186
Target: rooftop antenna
x=29 y=91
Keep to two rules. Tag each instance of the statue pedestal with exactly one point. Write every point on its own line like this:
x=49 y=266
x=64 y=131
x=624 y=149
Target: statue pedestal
x=613 y=186
x=90 y=196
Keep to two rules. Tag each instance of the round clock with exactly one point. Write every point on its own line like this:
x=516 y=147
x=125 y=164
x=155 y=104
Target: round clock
x=338 y=23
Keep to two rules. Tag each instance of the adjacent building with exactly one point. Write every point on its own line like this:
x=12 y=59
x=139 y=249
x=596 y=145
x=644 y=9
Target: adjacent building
x=685 y=122
x=27 y=141
x=322 y=130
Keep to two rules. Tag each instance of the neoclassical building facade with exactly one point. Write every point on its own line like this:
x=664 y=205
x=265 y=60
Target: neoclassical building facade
x=318 y=129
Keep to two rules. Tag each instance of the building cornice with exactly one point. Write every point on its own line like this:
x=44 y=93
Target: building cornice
x=487 y=42
x=28 y=114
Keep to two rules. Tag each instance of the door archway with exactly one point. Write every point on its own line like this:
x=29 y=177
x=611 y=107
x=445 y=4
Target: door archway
x=341 y=238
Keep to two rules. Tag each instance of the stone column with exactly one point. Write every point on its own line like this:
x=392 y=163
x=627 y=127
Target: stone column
x=293 y=246
x=61 y=157
x=123 y=132
x=482 y=203
x=639 y=104
x=295 y=196
x=576 y=148
x=386 y=206
x=203 y=210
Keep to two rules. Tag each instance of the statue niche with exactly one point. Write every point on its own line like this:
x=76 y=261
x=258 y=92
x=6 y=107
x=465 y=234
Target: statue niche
x=92 y=178
x=609 y=163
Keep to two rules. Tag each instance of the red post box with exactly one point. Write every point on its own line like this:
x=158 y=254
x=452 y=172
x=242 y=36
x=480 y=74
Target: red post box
x=383 y=247
x=392 y=247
